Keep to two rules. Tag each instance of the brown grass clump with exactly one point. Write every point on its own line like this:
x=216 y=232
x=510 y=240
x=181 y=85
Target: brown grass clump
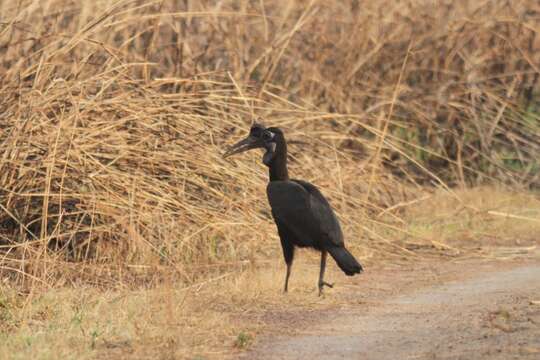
x=451 y=86
x=133 y=180
x=104 y=164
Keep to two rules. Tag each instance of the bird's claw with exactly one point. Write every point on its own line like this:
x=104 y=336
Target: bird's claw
x=323 y=284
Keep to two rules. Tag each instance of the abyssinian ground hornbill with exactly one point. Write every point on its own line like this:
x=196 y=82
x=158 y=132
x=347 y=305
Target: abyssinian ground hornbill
x=303 y=216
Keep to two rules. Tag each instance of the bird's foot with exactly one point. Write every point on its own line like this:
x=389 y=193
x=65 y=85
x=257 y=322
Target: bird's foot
x=323 y=284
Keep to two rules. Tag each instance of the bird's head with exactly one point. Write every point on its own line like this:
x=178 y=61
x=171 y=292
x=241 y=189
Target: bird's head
x=259 y=137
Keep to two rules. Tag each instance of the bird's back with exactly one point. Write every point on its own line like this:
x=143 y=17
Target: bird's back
x=302 y=208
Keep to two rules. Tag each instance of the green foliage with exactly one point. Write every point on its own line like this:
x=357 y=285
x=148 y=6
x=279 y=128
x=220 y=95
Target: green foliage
x=243 y=340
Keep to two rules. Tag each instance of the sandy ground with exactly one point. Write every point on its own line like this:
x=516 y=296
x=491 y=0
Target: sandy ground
x=451 y=310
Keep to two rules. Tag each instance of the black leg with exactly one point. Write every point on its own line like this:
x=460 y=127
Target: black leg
x=287 y=277
x=288 y=250
x=323 y=283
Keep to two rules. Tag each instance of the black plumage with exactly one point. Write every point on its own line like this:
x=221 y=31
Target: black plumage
x=303 y=216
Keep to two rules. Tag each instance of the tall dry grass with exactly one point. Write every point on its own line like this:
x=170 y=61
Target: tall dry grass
x=114 y=115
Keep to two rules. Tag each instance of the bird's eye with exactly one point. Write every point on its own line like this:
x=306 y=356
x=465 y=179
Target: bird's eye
x=256 y=131
x=267 y=135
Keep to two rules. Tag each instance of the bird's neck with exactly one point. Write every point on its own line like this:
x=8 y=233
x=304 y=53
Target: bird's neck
x=278 y=165
x=279 y=172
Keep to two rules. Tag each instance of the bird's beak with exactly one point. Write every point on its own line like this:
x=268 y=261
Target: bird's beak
x=244 y=145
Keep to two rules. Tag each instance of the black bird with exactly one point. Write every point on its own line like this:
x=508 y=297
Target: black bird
x=303 y=216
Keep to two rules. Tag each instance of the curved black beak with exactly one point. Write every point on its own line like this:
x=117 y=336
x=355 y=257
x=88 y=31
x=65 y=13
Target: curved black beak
x=248 y=143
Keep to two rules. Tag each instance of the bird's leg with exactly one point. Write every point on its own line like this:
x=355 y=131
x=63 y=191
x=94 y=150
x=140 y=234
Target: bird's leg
x=288 y=253
x=323 y=283
x=287 y=277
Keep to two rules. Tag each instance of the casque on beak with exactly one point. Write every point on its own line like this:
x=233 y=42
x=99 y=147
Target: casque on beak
x=248 y=143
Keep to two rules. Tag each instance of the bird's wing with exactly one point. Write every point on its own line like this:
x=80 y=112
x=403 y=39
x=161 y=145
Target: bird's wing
x=304 y=210
x=323 y=213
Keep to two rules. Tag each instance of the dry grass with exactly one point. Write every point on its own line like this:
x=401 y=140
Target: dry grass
x=164 y=321
x=114 y=116
x=483 y=221
x=206 y=320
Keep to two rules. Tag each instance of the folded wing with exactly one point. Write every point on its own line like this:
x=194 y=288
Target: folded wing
x=302 y=208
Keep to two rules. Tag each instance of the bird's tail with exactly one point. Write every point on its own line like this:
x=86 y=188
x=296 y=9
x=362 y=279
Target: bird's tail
x=345 y=261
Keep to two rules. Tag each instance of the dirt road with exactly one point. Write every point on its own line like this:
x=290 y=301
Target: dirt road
x=467 y=311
